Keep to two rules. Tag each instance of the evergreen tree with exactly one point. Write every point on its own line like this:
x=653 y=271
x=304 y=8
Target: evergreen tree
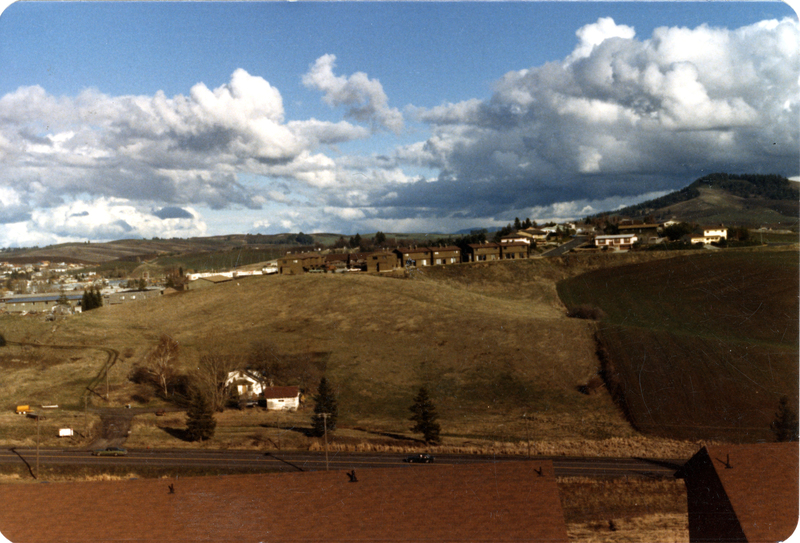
x=92 y=298
x=424 y=417
x=785 y=425
x=200 y=421
x=98 y=297
x=324 y=402
x=355 y=241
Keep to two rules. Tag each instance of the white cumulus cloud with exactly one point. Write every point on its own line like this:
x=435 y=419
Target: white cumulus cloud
x=619 y=117
x=365 y=98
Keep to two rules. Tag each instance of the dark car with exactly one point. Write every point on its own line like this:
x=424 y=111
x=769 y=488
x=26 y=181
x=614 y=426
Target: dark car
x=421 y=458
x=110 y=451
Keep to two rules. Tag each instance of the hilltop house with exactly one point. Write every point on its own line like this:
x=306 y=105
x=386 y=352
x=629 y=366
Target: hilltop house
x=742 y=492
x=381 y=261
x=534 y=234
x=514 y=250
x=618 y=242
x=300 y=263
x=482 y=252
x=445 y=255
x=711 y=234
x=501 y=501
x=413 y=256
x=517 y=237
x=646 y=232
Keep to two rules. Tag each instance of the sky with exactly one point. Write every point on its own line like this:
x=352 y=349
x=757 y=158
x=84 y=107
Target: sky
x=124 y=120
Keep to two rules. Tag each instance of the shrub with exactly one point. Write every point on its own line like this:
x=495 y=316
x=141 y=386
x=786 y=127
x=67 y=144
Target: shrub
x=586 y=311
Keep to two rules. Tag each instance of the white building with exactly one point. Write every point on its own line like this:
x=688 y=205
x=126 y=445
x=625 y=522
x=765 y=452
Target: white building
x=282 y=398
x=246 y=383
x=620 y=242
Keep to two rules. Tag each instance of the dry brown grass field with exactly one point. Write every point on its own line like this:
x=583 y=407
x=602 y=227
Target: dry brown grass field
x=624 y=510
x=491 y=341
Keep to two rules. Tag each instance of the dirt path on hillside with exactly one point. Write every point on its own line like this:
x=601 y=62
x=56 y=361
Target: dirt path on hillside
x=115 y=425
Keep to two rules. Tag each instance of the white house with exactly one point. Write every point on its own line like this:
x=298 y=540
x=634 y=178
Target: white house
x=246 y=383
x=712 y=234
x=534 y=234
x=282 y=398
x=512 y=238
x=715 y=234
x=618 y=242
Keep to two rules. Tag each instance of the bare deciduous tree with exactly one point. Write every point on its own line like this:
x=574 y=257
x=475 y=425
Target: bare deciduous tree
x=211 y=374
x=161 y=361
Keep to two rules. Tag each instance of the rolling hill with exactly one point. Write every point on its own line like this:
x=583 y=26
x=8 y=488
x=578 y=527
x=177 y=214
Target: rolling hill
x=490 y=340
x=748 y=200
x=701 y=346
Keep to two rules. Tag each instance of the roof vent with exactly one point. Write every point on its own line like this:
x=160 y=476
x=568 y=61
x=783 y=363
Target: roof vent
x=352 y=476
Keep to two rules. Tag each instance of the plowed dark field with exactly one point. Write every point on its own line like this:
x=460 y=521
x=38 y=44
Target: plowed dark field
x=700 y=346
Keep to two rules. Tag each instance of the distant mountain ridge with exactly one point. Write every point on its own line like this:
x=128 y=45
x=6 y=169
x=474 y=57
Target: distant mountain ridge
x=751 y=200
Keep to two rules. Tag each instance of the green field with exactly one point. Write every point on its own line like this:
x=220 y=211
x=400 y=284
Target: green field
x=698 y=346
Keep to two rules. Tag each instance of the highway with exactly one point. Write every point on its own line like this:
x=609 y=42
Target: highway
x=293 y=461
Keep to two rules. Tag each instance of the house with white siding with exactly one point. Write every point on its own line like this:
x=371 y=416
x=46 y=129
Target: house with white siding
x=618 y=242
x=244 y=383
x=282 y=398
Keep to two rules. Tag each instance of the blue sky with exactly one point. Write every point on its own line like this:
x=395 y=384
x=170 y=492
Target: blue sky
x=129 y=119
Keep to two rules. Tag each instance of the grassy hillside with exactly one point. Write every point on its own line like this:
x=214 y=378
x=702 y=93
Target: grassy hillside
x=490 y=342
x=730 y=199
x=701 y=346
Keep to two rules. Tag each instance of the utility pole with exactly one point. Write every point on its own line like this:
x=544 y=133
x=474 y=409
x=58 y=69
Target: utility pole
x=325 y=427
x=37 y=446
x=527 y=434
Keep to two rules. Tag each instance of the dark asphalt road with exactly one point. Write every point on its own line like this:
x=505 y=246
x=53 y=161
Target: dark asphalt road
x=312 y=461
x=567 y=247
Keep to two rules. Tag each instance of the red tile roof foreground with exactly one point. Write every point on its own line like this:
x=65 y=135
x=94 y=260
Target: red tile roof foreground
x=479 y=502
x=760 y=486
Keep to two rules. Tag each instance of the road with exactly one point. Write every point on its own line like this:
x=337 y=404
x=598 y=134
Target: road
x=575 y=242
x=292 y=461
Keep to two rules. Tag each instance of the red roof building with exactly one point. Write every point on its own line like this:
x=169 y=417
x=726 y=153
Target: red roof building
x=511 y=501
x=742 y=492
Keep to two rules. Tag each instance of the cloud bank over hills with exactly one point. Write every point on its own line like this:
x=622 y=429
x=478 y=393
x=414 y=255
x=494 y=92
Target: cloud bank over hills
x=618 y=120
